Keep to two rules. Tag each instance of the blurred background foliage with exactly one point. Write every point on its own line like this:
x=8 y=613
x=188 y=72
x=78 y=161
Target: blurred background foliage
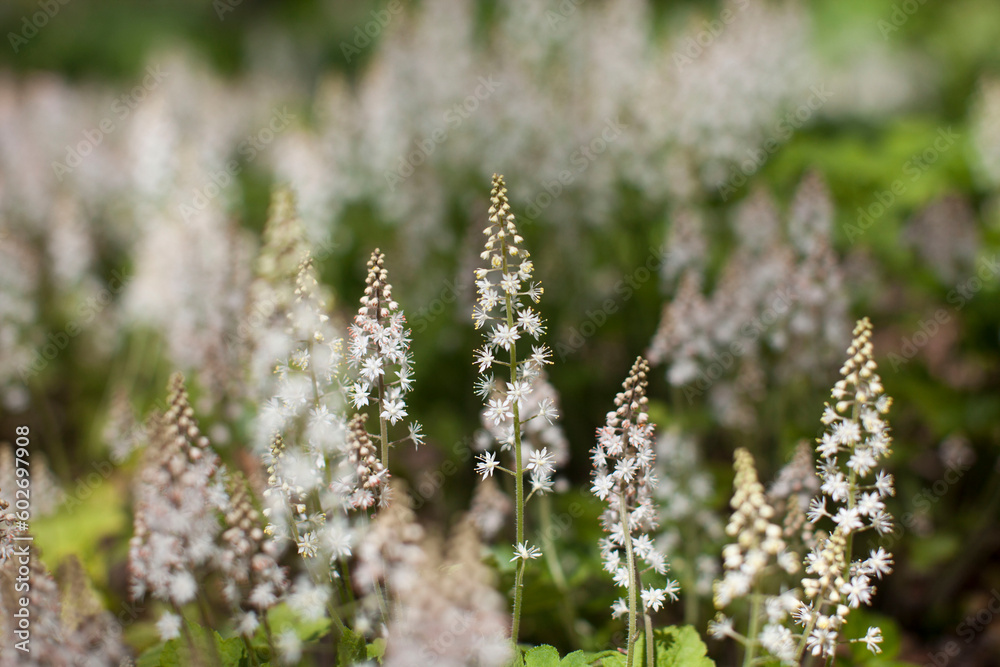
x=944 y=57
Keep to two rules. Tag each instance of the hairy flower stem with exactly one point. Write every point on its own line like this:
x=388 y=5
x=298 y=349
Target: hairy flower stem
x=650 y=647
x=383 y=429
x=800 y=651
x=518 y=474
x=755 y=601
x=632 y=583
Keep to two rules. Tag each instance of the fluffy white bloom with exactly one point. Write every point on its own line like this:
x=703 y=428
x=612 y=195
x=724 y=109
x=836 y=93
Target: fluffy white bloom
x=169 y=626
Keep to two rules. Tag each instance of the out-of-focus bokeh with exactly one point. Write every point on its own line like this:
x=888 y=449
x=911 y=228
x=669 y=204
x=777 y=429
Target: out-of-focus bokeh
x=723 y=186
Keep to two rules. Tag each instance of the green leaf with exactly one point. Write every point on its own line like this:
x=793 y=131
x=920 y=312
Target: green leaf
x=680 y=647
x=586 y=658
x=614 y=659
x=542 y=656
x=376 y=650
x=165 y=654
x=351 y=648
x=231 y=651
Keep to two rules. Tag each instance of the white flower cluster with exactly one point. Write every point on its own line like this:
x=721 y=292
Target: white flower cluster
x=307 y=408
x=856 y=440
x=851 y=496
x=781 y=290
x=179 y=494
x=506 y=292
x=623 y=476
x=543 y=443
x=8 y=522
x=758 y=548
x=73 y=626
x=379 y=345
x=447 y=612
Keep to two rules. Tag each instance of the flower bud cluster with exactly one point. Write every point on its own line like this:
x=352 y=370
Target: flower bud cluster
x=248 y=560
x=179 y=493
x=369 y=478
x=623 y=461
x=758 y=550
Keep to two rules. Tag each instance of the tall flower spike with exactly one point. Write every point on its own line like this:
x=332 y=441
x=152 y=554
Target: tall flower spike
x=852 y=495
x=757 y=548
x=179 y=493
x=379 y=347
x=623 y=476
x=506 y=294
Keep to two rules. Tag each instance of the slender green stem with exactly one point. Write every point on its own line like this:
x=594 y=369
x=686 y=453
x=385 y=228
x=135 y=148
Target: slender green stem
x=753 y=629
x=383 y=429
x=800 y=651
x=210 y=637
x=518 y=587
x=270 y=635
x=650 y=648
x=196 y=656
x=632 y=593
x=518 y=472
x=852 y=491
x=250 y=652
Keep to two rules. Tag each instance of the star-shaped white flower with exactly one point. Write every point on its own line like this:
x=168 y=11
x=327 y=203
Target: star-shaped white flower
x=524 y=552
